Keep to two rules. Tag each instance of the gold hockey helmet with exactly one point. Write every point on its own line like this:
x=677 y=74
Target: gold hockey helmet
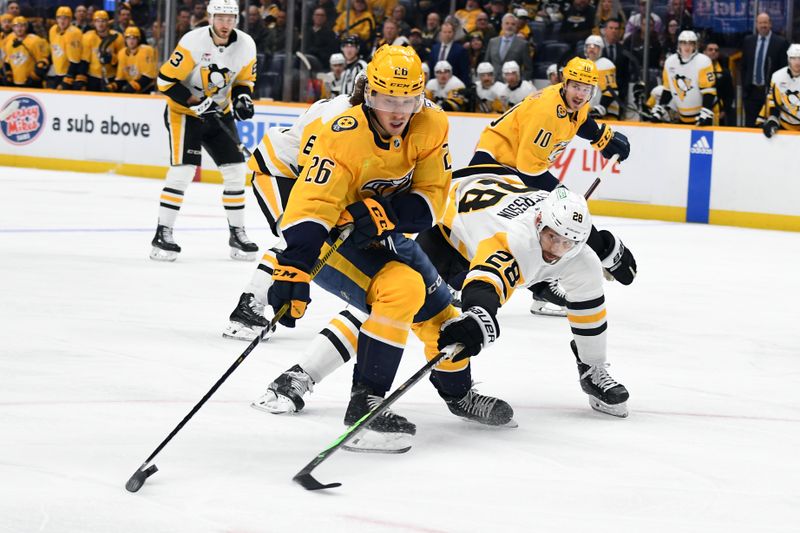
x=64 y=11
x=580 y=70
x=396 y=71
x=100 y=15
x=133 y=31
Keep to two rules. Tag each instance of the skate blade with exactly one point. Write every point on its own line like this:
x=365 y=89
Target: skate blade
x=239 y=255
x=240 y=332
x=272 y=403
x=548 y=309
x=369 y=441
x=157 y=254
x=619 y=410
x=511 y=424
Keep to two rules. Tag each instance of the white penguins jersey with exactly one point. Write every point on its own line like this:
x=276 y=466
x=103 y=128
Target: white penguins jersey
x=517 y=95
x=208 y=70
x=492 y=100
x=490 y=218
x=606 y=86
x=688 y=82
x=784 y=95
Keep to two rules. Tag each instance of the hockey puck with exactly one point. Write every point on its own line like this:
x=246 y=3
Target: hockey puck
x=138 y=478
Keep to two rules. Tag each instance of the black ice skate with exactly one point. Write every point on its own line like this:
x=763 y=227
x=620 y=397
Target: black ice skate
x=549 y=299
x=285 y=394
x=164 y=246
x=605 y=394
x=482 y=409
x=247 y=319
x=242 y=248
x=387 y=433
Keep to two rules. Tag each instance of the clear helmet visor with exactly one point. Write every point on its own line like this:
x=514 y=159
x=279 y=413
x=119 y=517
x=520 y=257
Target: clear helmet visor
x=556 y=247
x=406 y=105
x=581 y=89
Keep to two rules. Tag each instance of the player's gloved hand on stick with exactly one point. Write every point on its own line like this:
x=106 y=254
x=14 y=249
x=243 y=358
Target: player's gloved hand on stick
x=618 y=144
x=658 y=113
x=105 y=58
x=290 y=285
x=619 y=261
x=475 y=329
x=706 y=117
x=243 y=107
x=598 y=111
x=204 y=107
x=770 y=126
x=371 y=218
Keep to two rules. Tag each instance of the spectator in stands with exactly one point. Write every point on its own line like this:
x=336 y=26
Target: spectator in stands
x=523 y=30
x=275 y=41
x=390 y=35
x=445 y=89
x=122 y=18
x=199 y=15
x=468 y=15
x=381 y=9
x=762 y=54
x=82 y=20
x=516 y=88
x=322 y=42
x=634 y=45
x=418 y=44
x=482 y=25
x=578 y=22
x=671 y=38
x=31 y=56
x=475 y=51
x=12 y=8
x=140 y=13
x=458 y=30
x=608 y=10
x=508 y=46
x=183 y=23
x=551 y=11
x=399 y=16
x=256 y=27
x=635 y=22
x=330 y=10
x=679 y=10
x=497 y=9
x=136 y=65
x=491 y=96
x=332 y=80
x=362 y=22
x=614 y=51
x=447 y=49
x=433 y=23
x=725 y=93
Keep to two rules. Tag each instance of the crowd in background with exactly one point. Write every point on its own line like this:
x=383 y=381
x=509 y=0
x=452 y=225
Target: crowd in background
x=483 y=57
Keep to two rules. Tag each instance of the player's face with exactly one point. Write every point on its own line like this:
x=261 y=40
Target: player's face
x=686 y=48
x=224 y=24
x=487 y=79
x=553 y=78
x=101 y=25
x=350 y=52
x=592 y=52
x=577 y=94
x=554 y=246
x=511 y=78
x=712 y=51
x=131 y=42
x=20 y=30
x=337 y=69
x=393 y=112
x=63 y=22
x=443 y=76
x=794 y=65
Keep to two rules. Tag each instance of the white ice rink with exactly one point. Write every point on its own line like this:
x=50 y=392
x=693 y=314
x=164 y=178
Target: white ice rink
x=104 y=351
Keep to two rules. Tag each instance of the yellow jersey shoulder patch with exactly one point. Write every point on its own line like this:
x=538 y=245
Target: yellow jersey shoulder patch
x=344 y=123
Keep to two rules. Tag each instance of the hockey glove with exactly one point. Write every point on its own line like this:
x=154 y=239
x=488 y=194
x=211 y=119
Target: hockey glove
x=617 y=145
x=80 y=82
x=658 y=113
x=475 y=329
x=371 y=218
x=618 y=260
x=206 y=106
x=40 y=70
x=105 y=58
x=243 y=107
x=598 y=111
x=771 y=126
x=290 y=285
x=706 y=117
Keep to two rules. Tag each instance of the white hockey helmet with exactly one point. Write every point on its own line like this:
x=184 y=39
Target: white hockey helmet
x=793 y=51
x=552 y=69
x=337 y=59
x=594 y=40
x=510 y=66
x=222 y=7
x=485 y=68
x=687 y=36
x=443 y=66
x=566 y=213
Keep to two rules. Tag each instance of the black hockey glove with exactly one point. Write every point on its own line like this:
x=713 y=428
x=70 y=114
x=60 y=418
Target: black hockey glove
x=105 y=58
x=617 y=145
x=371 y=218
x=290 y=285
x=243 y=107
x=770 y=127
x=475 y=329
x=617 y=259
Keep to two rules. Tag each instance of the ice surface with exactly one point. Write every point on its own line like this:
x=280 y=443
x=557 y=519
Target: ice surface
x=104 y=351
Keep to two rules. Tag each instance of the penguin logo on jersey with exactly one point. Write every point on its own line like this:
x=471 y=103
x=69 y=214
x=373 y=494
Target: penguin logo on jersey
x=214 y=79
x=683 y=85
x=793 y=98
x=389 y=187
x=344 y=124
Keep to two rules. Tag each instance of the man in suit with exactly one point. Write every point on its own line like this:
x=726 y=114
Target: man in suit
x=613 y=50
x=452 y=52
x=508 y=46
x=763 y=54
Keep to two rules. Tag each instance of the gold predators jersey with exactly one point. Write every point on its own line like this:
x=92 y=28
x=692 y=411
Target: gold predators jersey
x=350 y=161
x=65 y=48
x=24 y=57
x=688 y=82
x=93 y=46
x=532 y=134
x=208 y=70
x=606 y=86
x=784 y=95
x=490 y=219
x=131 y=67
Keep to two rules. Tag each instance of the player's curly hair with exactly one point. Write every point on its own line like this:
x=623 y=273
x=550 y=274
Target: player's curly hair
x=357 y=96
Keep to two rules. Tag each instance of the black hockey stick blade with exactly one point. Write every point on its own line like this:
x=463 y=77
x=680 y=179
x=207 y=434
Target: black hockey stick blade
x=139 y=477
x=309 y=482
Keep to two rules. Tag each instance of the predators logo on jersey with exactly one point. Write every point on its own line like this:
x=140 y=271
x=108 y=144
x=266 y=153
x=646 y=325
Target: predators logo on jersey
x=214 y=79
x=682 y=85
x=389 y=187
x=344 y=123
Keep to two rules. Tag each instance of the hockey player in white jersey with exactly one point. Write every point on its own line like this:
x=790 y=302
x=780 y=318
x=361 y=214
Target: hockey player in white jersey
x=517 y=89
x=690 y=80
x=209 y=80
x=605 y=101
x=782 y=109
x=492 y=96
x=500 y=236
x=332 y=80
x=446 y=90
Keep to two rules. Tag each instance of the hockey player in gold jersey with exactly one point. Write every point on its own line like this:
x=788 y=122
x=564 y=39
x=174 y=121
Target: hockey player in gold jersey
x=27 y=56
x=65 y=45
x=782 y=109
x=100 y=47
x=136 y=65
x=208 y=80
x=384 y=166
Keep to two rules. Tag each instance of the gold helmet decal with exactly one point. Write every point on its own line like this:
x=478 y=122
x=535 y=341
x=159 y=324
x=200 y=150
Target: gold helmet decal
x=580 y=70
x=396 y=71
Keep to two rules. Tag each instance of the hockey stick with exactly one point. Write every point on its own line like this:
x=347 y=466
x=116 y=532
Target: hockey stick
x=235 y=138
x=147 y=469
x=603 y=174
x=304 y=477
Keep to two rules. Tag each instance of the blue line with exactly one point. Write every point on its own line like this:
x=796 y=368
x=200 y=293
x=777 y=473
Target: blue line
x=97 y=230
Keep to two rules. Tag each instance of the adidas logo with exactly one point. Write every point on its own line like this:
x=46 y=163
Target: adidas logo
x=701 y=146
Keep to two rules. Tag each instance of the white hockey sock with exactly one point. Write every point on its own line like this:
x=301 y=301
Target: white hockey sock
x=334 y=345
x=175 y=185
x=233 y=177
x=261 y=280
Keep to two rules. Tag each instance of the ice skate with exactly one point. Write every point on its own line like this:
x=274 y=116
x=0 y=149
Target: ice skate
x=549 y=299
x=482 y=409
x=247 y=319
x=387 y=433
x=605 y=394
x=285 y=394
x=164 y=246
x=242 y=248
